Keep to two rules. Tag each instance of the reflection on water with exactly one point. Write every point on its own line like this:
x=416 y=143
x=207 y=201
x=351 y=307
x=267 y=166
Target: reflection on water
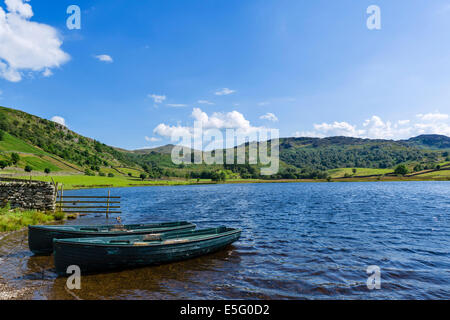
x=300 y=241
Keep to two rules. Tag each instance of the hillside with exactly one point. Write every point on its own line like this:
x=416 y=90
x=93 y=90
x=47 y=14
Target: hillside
x=167 y=149
x=323 y=154
x=45 y=145
x=430 y=141
x=345 y=152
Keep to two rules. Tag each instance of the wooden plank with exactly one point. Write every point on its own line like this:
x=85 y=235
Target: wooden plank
x=90 y=197
x=61 y=198
x=79 y=201
x=107 y=209
x=90 y=207
x=99 y=212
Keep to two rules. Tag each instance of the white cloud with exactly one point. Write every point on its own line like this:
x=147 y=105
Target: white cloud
x=164 y=130
x=264 y=103
x=376 y=128
x=336 y=129
x=59 y=120
x=104 y=58
x=218 y=120
x=152 y=139
x=20 y=8
x=433 y=116
x=269 y=116
x=177 y=105
x=224 y=92
x=157 y=98
x=26 y=45
x=205 y=102
x=47 y=73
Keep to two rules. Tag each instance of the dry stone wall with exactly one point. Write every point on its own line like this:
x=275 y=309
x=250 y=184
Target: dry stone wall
x=28 y=195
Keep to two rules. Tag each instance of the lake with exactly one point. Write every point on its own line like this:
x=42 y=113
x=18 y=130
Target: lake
x=299 y=241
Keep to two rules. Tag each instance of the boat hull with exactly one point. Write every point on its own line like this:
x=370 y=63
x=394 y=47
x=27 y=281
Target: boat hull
x=40 y=238
x=97 y=258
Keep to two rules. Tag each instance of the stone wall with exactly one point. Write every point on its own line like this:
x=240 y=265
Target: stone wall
x=28 y=195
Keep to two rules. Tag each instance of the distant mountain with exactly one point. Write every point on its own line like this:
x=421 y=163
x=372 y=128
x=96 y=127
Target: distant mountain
x=167 y=149
x=430 y=141
x=346 y=152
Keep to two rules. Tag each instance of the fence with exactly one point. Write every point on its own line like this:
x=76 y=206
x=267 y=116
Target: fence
x=88 y=204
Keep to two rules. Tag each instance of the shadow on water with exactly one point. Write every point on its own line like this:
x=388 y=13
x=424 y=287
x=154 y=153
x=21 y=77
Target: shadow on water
x=180 y=280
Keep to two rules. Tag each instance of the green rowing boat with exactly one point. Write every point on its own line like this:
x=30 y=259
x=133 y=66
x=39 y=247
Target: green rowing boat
x=114 y=253
x=40 y=238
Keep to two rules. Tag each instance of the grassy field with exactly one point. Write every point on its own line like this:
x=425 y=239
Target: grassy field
x=339 y=173
x=13 y=144
x=38 y=159
x=122 y=171
x=38 y=164
x=82 y=181
x=436 y=174
x=134 y=172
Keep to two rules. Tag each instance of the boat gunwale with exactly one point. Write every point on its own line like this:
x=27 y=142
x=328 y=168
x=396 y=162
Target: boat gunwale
x=131 y=245
x=108 y=233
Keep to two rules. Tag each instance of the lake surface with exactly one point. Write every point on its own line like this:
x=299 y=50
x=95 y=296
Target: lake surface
x=300 y=241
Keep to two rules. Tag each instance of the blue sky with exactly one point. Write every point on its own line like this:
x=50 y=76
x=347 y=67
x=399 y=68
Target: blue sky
x=305 y=67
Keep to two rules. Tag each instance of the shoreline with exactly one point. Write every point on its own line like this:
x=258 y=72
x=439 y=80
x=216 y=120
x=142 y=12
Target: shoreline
x=82 y=182
x=8 y=292
x=170 y=183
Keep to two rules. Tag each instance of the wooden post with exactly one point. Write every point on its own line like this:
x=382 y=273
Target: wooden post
x=107 y=204
x=56 y=194
x=61 y=198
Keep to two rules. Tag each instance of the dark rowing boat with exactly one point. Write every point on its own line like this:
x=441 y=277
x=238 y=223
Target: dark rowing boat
x=40 y=238
x=113 y=253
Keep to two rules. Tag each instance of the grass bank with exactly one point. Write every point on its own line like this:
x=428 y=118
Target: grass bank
x=72 y=182
x=83 y=181
x=11 y=220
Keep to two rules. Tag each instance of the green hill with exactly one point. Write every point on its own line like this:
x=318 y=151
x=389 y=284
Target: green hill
x=43 y=144
x=430 y=141
x=344 y=152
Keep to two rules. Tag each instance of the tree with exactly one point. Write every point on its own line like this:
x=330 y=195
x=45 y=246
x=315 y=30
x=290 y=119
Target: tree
x=130 y=174
x=401 y=169
x=28 y=169
x=2 y=135
x=219 y=176
x=111 y=175
x=47 y=170
x=3 y=164
x=15 y=158
x=354 y=170
x=143 y=176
